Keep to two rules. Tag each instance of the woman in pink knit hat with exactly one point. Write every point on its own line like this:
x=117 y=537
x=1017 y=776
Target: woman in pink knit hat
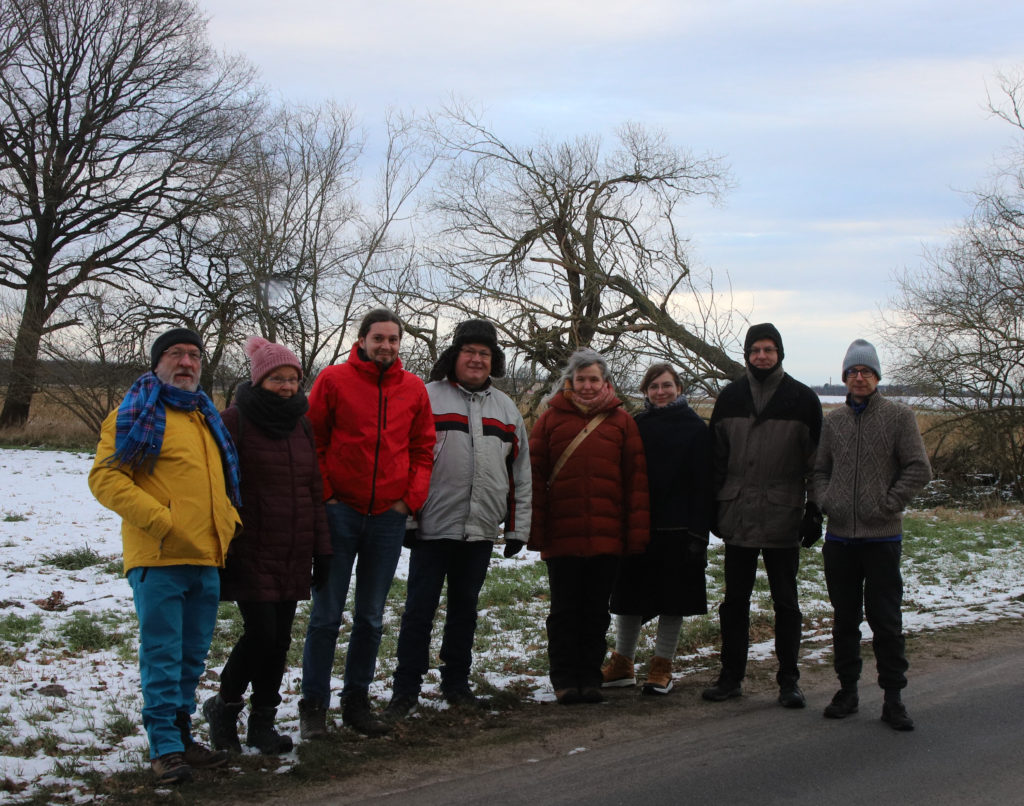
x=283 y=548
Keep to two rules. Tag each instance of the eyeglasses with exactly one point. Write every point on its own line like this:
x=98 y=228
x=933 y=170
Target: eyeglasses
x=176 y=354
x=278 y=381
x=860 y=372
x=469 y=352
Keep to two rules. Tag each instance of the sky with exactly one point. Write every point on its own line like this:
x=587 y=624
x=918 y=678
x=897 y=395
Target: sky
x=853 y=131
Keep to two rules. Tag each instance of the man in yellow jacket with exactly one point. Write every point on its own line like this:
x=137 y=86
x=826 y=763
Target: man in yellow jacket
x=166 y=464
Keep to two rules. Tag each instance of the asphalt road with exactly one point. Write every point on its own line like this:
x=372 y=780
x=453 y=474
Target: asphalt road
x=966 y=750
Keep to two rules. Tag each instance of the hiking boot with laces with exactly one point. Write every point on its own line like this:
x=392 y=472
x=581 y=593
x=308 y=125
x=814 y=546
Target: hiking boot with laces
x=462 y=698
x=659 y=676
x=895 y=714
x=790 y=696
x=401 y=706
x=844 y=703
x=170 y=768
x=357 y=714
x=200 y=757
x=618 y=672
x=723 y=689
x=312 y=720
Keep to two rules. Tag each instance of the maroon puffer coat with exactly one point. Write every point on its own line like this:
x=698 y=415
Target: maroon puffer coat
x=283 y=518
x=598 y=503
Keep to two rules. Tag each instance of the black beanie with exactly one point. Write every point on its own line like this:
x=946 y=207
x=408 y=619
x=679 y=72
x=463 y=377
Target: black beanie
x=766 y=330
x=472 y=331
x=176 y=335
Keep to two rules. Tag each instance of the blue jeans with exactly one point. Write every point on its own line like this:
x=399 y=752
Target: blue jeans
x=373 y=543
x=177 y=610
x=464 y=563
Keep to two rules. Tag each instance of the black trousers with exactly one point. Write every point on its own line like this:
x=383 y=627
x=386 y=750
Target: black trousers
x=865 y=579
x=579 y=618
x=781 y=566
x=261 y=653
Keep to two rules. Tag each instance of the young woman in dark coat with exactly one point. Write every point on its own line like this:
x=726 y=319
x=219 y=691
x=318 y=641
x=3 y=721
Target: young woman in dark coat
x=667 y=580
x=284 y=536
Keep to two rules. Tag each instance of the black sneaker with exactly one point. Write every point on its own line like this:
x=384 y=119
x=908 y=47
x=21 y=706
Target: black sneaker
x=170 y=768
x=844 y=703
x=790 y=696
x=401 y=706
x=462 y=698
x=724 y=689
x=895 y=714
x=357 y=714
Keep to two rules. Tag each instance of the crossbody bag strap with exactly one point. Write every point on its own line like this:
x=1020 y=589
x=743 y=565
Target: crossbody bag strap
x=588 y=429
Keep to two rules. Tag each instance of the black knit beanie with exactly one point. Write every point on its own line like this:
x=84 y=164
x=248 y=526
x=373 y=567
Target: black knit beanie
x=176 y=335
x=472 y=331
x=765 y=330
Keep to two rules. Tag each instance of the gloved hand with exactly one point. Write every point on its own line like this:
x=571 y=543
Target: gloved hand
x=412 y=536
x=321 y=570
x=810 y=526
x=512 y=547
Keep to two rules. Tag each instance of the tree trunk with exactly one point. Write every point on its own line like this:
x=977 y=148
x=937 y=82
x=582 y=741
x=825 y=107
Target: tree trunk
x=25 y=363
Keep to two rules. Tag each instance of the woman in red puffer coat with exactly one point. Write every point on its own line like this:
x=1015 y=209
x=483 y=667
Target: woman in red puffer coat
x=284 y=546
x=590 y=507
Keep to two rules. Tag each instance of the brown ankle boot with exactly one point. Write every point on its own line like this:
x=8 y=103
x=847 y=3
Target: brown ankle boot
x=659 y=677
x=618 y=672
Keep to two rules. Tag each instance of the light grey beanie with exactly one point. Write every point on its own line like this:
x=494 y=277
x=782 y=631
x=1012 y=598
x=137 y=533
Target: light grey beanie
x=862 y=353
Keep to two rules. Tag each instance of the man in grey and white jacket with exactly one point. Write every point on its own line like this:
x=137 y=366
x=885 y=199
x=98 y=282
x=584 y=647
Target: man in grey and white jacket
x=480 y=486
x=871 y=462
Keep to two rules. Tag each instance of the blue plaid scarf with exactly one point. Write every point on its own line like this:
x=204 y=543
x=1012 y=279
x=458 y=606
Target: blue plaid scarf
x=142 y=418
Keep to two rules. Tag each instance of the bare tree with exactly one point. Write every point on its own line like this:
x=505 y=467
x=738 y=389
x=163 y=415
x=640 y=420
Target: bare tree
x=959 y=325
x=565 y=245
x=118 y=120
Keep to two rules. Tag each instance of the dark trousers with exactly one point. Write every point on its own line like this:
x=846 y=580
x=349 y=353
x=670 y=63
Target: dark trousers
x=864 y=579
x=781 y=566
x=579 y=618
x=260 y=655
x=464 y=565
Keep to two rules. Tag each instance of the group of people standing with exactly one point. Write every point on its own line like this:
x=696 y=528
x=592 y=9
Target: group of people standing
x=281 y=498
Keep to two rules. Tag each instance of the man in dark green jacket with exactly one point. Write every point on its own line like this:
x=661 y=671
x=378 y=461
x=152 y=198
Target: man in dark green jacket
x=764 y=431
x=871 y=463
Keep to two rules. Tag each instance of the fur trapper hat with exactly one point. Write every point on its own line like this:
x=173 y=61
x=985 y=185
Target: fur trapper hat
x=472 y=331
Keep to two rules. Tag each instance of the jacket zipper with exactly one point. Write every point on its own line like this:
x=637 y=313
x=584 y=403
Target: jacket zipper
x=382 y=410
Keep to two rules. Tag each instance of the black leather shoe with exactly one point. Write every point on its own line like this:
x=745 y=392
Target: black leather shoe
x=791 y=696
x=722 y=690
x=844 y=703
x=895 y=714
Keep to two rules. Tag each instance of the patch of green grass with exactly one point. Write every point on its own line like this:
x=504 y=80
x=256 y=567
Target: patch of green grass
x=74 y=559
x=14 y=517
x=119 y=725
x=18 y=630
x=91 y=632
x=114 y=566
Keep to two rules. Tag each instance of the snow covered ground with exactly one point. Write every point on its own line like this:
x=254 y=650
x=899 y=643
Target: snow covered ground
x=69 y=697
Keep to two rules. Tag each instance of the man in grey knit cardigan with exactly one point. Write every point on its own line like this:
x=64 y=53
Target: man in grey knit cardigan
x=871 y=462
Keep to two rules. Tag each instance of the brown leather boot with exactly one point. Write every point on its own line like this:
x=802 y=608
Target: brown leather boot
x=659 y=677
x=618 y=672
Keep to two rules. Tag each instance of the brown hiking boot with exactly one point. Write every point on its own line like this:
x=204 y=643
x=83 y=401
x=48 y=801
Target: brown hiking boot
x=200 y=757
x=659 y=677
x=618 y=672
x=312 y=720
x=170 y=768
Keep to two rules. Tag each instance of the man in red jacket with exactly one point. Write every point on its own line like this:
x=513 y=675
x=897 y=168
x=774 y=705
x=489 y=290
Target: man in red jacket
x=375 y=439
